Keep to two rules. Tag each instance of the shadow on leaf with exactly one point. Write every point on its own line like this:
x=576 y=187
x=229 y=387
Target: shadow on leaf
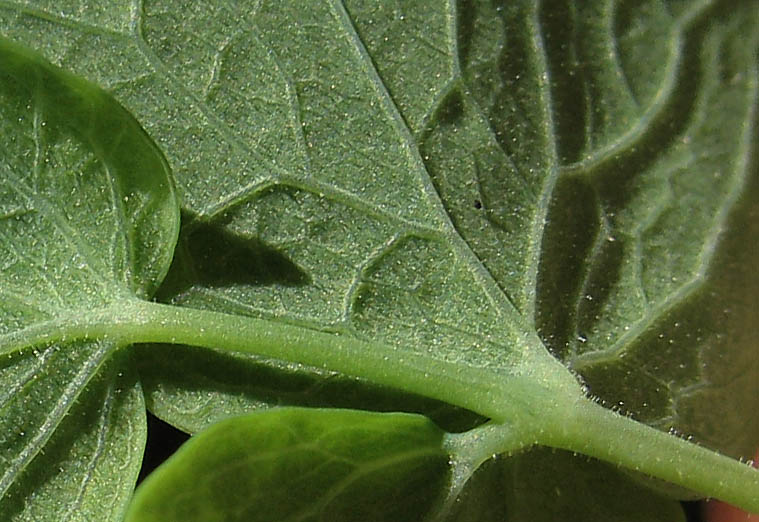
x=210 y=254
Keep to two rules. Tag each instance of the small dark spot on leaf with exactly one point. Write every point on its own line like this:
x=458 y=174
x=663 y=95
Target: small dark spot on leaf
x=477 y=204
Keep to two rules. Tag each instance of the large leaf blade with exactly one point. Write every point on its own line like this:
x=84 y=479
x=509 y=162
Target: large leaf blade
x=663 y=208
x=388 y=309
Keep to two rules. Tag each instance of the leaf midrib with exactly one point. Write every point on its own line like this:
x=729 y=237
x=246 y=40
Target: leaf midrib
x=447 y=232
x=501 y=301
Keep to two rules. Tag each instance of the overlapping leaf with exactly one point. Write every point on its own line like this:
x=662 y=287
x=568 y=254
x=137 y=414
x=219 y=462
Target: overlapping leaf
x=301 y=464
x=87 y=221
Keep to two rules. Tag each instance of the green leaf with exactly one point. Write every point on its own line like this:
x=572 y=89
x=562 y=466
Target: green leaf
x=548 y=485
x=300 y=464
x=606 y=272
x=87 y=222
x=660 y=205
x=431 y=196
x=87 y=464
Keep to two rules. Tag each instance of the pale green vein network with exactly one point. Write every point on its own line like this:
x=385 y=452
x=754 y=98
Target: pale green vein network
x=489 y=285
x=216 y=123
x=653 y=312
x=429 y=221
x=89 y=219
x=657 y=305
x=64 y=402
x=62 y=232
x=628 y=140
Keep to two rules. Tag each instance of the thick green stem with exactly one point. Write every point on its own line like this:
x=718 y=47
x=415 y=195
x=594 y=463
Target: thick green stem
x=378 y=362
x=538 y=402
x=599 y=432
x=499 y=394
x=569 y=421
x=588 y=428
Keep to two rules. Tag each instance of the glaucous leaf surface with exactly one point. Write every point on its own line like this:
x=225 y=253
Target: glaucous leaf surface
x=300 y=464
x=456 y=179
x=82 y=229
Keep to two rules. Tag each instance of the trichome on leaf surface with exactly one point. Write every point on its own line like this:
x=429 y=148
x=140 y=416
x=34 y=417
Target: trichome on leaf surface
x=432 y=257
